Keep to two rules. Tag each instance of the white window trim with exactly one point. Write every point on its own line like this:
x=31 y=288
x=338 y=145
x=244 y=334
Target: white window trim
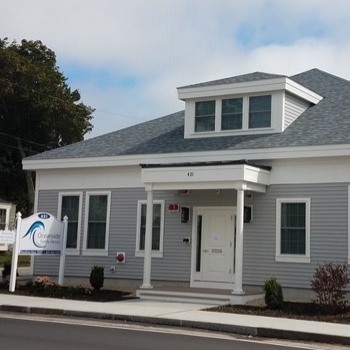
x=155 y=253
x=275 y=112
x=293 y=258
x=6 y=207
x=248 y=111
x=96 y=252
x=348 y=225
x=72 y=251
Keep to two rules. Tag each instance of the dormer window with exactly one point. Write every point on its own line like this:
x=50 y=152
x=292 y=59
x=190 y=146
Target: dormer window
x=231 y=114
x=260 y=112
x=252 y=104
x=205 y=116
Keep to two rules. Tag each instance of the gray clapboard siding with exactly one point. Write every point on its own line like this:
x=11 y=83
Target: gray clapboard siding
x=176 y=262
x=329 y=205
x=49 y=265
x=293 y=109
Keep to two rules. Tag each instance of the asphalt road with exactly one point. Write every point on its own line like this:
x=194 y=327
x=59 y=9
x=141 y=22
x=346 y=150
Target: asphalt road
x=29 y=332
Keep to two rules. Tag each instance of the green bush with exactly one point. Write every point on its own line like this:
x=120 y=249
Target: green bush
x=6 y=270
x=329 y=283
x=273 y=294
x=97 y=277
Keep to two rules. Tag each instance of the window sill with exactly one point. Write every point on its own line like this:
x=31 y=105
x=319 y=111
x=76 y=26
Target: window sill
x=72 y=252
x=233 y=132
x=141 y=254
x=303 y=259
x=95 y=252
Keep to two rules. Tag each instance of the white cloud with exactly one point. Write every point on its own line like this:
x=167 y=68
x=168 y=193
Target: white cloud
x=164 y=44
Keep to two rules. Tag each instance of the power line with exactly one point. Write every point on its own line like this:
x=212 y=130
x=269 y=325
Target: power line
x=62 y=100
x=16 y=148
x=21 y=139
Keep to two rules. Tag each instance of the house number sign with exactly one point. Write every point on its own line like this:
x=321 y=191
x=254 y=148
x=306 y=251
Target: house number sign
x=190 y=174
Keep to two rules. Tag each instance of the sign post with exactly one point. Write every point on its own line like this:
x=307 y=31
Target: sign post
x=38 y=234
x=15 y=253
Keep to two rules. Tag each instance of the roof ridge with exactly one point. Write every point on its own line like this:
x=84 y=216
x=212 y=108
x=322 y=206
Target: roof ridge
x=257 y=75
x=319 y=71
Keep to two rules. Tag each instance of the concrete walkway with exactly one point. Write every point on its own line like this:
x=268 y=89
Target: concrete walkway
x=181 y=315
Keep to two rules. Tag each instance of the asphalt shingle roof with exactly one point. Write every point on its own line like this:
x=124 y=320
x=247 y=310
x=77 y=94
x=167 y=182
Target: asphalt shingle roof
x=326 y=123
x=237 y=79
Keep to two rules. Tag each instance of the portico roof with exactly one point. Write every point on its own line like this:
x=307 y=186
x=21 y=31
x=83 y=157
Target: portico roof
x=212 y=175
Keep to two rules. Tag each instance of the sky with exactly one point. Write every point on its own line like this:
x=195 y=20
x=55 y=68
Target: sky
x=128 y=57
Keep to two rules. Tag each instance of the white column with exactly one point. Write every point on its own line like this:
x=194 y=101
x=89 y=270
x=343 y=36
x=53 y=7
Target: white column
x=15 y=252
x=238 y=289
x=147 y=264
x=63 y=252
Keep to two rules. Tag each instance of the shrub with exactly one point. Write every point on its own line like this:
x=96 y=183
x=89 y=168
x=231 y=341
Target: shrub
x=97 y=277
x=84 y=290
x=6 y=270
x=44 y=286
x=273 y=294
x=329 y=282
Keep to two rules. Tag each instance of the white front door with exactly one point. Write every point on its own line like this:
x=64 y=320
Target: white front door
x=215 y=245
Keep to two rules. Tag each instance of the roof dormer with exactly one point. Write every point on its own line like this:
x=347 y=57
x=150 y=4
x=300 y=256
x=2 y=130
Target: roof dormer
x=254 y=103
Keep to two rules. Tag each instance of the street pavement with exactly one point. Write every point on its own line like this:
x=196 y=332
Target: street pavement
x=187 y=315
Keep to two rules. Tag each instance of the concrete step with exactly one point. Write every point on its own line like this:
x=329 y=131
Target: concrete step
x=190 y=297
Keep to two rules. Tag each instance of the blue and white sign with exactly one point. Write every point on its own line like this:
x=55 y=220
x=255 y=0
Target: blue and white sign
x=41 y=233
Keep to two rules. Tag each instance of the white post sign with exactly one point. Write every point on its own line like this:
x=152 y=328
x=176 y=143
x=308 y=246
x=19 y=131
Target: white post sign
x=41 y=233
x=38 y=234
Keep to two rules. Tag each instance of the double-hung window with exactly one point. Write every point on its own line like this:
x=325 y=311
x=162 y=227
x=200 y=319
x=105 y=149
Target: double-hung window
x=293 y=229
x=260 y=111
x=231 y=114
x=96 y=223
x=70 y=205
x=3 y=218
x=157 y=228
x=5 y=223
x=205 y=116
x=236 y=114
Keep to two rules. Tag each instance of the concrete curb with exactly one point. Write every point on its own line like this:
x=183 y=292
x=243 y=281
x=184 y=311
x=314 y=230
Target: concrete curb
x=226 y=328
x=303 y=336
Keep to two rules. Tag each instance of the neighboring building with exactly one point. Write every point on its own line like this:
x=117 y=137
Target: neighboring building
x=250 y=181
x=7 y=219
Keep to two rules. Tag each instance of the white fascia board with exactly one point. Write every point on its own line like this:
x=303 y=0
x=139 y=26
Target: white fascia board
x=187 y=157
x=251 y=87
x=256 y=175
x=302 y=92
x=195 y=177
x=232 y=89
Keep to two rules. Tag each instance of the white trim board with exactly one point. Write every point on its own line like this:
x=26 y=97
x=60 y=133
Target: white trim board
x=256 y=86
x=186 y=157
x=348 y=225
x=77 y=179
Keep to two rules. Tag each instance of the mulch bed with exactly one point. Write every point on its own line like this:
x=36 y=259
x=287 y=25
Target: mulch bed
x=296 y=310
x=102 y=295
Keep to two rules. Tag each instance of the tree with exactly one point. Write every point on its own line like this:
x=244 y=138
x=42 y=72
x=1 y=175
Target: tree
x=38 y=112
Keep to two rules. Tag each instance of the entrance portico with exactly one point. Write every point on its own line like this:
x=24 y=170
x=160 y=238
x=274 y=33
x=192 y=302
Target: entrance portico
x=240 y=176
